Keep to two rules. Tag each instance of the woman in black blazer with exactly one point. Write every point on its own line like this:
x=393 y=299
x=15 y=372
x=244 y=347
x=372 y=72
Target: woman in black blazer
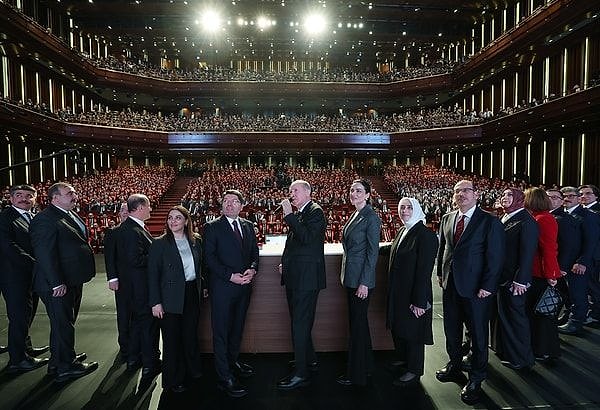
x=409 y=313
x=360 y=239
x=174 y=275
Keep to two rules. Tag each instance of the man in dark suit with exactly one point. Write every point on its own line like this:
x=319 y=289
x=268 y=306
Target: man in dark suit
x=578 y=275
x=569 y=247
x=303 y=275
x=16 y=277
x=469 y=263
x=511 y=328
x=64 y=262
x=122 y=301
x=231 y=255
x=589 y=200
x=132 y=243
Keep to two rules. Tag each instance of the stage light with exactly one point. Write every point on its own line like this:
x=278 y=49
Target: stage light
x=263 y=22
x=315 y=24
x=210 y=21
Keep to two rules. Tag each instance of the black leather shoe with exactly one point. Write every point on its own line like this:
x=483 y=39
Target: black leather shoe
x=514 y=366
x=78 y=358
x=36 y=351
x=471 y=393
x=312 y=366
x=242 y=369
x=149 y=373
x=3 y=349
x=180 y=388
x=465 y=365
x=133 y=365
x=293 y=382
x=344 y=380
x=571 y=328
x=563 y=318
x=232 y=388
x=406 y=380
x=450 y=373
x=395 y=367
x=76 y=370
x=546 y=358
x=25 y=365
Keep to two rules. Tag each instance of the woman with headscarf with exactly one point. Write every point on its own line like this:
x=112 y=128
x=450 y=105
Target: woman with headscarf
x=545 y=272
x=410 y=297
x=510 y=327
x=360 y=240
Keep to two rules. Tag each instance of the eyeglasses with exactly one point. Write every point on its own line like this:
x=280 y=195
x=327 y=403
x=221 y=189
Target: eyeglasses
x=555 y=197
x=463 y=190
x=571 y=195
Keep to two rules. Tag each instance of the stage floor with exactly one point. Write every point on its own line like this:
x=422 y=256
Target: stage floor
x=570 y=383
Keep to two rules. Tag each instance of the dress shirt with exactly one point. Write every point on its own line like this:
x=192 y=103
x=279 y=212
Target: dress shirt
x=468 y=215
x=187 y=259
x=230 y=220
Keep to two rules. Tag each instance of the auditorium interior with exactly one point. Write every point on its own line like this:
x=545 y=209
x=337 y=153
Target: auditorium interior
x=183 y=99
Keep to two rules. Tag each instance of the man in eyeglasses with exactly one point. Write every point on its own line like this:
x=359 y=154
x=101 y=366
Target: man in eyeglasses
x=470 y=259
x=578 y=275
x=589 y=200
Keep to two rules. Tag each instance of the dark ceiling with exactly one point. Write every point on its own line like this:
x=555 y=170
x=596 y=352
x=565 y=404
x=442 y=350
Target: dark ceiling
x=358 y=32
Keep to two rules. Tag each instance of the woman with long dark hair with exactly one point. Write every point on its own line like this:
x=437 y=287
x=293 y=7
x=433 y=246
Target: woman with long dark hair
x=174 y=275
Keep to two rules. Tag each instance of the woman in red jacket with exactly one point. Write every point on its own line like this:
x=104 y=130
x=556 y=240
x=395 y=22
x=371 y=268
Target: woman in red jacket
x=545 y=272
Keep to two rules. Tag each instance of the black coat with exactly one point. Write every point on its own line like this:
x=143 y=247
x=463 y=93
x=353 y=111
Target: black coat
x=409 y=283
x=16 y=252
x=521 y=233
x=569 y=239
x=61 y=250
x=303 y=259
x=166 y=279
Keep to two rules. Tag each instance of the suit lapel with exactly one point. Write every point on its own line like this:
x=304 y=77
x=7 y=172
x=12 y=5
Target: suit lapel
x=470 y=226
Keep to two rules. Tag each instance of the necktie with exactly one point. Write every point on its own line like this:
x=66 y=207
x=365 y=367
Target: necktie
x=236 y=229
x=460 y=227
x=27 y=216
x=77 y=222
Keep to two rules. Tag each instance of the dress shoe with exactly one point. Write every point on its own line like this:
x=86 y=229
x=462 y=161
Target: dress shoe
x=465 y=365
x=292 y=382
x=133 y=365
x=312 y=366
x=406 y=380
x=590 y=321
x=78 y=358
x=546 y=358
x=344 y=380
x=76 y=370
x=450 y=373
x=36 y=351
x=149 y=373
x=570 y=328
x=465 y=348
x=471 y=393
x=563 y=318
x=514 y=366
x=395 y=367
x=232 y=388
x=242 y=369
x=25 y=365
x=3 y=349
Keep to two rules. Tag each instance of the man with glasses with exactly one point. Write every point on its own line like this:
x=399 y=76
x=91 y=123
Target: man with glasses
x=64 y=262
x=231 y=255
x=569 y=247
x=469 y=262
x=578 y=274
x=589 y=200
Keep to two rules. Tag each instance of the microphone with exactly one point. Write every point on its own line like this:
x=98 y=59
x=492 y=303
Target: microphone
x=279 y=207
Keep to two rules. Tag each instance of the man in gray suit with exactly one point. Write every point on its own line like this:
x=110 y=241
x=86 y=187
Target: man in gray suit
x=64 y=262
x=469 y=262
x=303 y=275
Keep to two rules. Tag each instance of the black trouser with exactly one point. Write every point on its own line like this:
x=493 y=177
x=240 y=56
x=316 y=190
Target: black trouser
x=229 y=304
x=302 y=305
x=360 y=351
x=62 y=312
x=181 y=356
x=19 y=309
x=513 y=336
x=412 y=352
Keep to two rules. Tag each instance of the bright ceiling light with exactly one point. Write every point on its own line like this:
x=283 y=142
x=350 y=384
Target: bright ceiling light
x=210 y=21
x=263 y=22
x=315 y=24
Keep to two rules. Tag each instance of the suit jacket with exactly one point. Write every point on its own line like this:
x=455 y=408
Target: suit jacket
x=61 y=250
x=569 y=239
x=409 y=283
x=132 y=245
x=521 y=233
x=303 y=259
x=223 y=253
x=595 y=209
x=590 y=234
x=16 y=252
x=110 y=252
x=166 y=278
x=476 y=260
x=360 y=240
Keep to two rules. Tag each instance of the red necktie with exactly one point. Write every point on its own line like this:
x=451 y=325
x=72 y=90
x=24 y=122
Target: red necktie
x=460 y=227
x=236 y=229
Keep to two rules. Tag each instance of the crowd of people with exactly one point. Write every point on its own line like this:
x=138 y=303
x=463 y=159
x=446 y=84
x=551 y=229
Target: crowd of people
x=421 y=118
x=219 y=73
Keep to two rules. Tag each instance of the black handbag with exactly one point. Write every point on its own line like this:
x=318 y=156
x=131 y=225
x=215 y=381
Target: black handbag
x=549 y=303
